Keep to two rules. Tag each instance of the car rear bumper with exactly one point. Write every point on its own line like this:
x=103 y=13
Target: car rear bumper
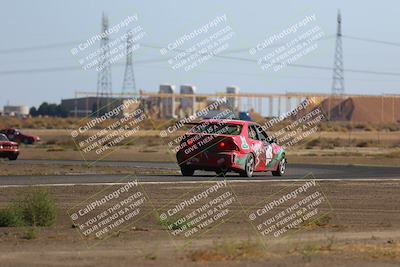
x=230 y=160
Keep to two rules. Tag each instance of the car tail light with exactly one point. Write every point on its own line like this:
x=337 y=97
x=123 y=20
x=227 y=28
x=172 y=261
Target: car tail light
x=227 y=145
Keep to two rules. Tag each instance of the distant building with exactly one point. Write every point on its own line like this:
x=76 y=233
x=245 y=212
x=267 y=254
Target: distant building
x=85 y=106
x=167 y=104
x=233 y=102
x=188 y=103
x=18 y=111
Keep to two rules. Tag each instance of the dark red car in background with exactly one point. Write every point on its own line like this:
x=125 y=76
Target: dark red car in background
x=8 y=149
x=16 y=136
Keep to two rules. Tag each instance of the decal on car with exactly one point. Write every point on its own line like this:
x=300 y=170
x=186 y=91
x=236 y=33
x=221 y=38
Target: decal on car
x=268 y=154
x=244 y=144
x=276 y=159
x=241 y=161
x=257 y=148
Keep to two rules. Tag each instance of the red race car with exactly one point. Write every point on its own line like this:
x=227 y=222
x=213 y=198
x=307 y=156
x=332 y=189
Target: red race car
x=229 y=145
x=16 y=136
x=8 y=149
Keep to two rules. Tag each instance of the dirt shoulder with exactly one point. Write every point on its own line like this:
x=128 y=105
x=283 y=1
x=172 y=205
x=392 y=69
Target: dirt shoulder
x=362 y=229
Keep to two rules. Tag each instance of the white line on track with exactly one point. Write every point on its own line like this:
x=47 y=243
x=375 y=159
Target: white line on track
x=199 y=182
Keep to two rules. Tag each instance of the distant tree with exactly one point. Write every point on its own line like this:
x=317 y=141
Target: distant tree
x=51 y=110
x=62 y=111
x=43 y=109
x=33 y=112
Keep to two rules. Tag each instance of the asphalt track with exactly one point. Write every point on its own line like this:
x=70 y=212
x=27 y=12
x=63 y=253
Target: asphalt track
x=294 y=171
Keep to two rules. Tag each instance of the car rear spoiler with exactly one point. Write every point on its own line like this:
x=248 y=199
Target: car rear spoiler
x=192 y=123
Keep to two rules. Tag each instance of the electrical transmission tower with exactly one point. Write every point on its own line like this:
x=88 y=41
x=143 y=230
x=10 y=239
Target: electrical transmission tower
x=129 y=85
x=338 y=77
x=104 y=88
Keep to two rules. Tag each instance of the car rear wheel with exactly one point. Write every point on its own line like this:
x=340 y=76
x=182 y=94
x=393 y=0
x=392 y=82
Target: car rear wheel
x=249 y=167
x=280 y=171
x=187 y=171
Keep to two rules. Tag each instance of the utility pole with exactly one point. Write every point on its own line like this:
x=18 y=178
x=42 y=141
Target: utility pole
x=129 y=85
x=338 y=77
x=104 y=87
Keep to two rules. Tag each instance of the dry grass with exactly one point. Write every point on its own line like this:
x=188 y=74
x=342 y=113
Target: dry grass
x=390 y=249
x=60 y=123
x=322 y=221
x=228 y=250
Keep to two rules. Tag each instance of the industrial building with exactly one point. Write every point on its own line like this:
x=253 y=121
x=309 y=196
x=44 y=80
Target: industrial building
x=167 y=104
x=17 y=111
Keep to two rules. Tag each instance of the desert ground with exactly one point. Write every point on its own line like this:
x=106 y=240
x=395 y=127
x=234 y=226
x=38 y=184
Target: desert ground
x=362 y=229
x=359 y=227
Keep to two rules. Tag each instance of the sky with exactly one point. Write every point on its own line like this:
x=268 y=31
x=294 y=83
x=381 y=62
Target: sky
x=27 y=25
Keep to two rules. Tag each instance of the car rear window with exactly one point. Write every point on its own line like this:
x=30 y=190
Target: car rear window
x=217 y=128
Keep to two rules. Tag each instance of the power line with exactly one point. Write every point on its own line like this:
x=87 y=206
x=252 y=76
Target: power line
x=37 y=47
x=71 y=43
x=68 y=68
x=370 y=40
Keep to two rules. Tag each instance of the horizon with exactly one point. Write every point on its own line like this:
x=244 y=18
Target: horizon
x=37 y=60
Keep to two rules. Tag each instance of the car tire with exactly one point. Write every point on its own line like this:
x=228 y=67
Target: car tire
x=249 y=167
x=12 y=157
x=281 y=169
x=187 y=171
